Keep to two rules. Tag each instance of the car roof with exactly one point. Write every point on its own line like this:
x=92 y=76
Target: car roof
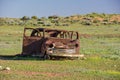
x=49 y=29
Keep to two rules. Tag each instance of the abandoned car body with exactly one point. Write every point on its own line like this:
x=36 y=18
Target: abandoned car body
x=48 y=43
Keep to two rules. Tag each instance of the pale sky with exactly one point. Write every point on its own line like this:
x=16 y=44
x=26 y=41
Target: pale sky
x=45 y=8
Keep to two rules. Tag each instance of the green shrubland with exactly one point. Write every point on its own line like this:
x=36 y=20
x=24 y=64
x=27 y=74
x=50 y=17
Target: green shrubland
x=99 y=43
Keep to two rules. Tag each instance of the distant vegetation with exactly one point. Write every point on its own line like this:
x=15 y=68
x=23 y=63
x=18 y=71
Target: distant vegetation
x=88 y=19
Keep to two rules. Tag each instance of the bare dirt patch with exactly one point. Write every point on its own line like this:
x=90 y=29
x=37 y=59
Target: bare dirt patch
x=31 y=73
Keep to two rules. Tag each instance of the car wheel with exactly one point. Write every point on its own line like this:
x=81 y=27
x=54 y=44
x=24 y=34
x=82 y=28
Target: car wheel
x=47 y=57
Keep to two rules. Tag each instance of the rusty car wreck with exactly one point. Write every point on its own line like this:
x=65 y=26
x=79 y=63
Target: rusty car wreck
x=49 y=43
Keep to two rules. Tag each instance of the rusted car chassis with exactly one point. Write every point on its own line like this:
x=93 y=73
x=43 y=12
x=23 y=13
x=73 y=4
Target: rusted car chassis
x=49 y=43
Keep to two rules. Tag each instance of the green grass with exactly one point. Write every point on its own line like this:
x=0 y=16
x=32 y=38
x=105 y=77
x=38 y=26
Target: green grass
x=109 y=29
x=100 y=46
x=102 y=54
x=66 y=69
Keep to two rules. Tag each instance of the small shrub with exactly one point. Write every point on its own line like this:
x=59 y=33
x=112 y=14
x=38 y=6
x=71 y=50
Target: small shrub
x=86 y=23
x=7 y=42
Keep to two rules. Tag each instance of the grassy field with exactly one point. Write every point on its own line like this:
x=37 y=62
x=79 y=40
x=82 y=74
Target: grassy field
x=99 y=44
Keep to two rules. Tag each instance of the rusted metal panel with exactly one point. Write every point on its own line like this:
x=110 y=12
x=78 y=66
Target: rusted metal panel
x=43 y=41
